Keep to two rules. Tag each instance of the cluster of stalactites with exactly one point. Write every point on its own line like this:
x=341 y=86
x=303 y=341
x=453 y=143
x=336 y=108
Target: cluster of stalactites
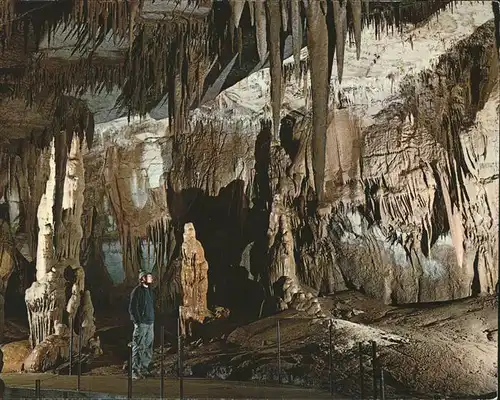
x=113 y=14
x=327 y=24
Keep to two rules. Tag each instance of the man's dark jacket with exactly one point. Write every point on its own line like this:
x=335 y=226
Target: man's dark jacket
x=141 y=307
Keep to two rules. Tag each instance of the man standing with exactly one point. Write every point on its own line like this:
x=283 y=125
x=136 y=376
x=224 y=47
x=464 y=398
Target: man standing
x=142 y=314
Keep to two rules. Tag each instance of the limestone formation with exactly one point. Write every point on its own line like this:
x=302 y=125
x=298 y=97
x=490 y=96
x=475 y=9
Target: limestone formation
x=57 y=301
x=54 y=350
x=194 y=281
x=295 y=298
x=396 y=221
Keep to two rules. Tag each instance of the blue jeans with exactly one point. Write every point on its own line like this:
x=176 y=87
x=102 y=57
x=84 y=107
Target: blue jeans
x=142 y=347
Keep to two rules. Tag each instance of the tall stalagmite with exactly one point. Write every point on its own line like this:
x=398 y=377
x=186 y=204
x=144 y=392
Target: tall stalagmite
x=51 y=308
x=194 y=280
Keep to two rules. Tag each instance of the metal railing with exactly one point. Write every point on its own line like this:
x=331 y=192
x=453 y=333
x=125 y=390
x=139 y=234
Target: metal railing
x=362 y=351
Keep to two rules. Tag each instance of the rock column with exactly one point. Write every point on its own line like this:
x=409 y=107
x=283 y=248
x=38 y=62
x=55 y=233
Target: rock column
x=58 y=295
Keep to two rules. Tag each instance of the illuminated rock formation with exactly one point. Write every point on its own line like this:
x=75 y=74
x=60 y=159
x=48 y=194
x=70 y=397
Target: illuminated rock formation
x=194 y=281
x=53 y=312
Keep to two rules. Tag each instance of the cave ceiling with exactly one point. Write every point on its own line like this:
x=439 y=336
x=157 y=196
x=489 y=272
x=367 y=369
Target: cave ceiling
x=166 y=57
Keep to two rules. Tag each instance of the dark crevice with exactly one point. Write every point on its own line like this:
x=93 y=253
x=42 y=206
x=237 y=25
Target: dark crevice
x=476 y=284
x=424 y=243
x=288 y=142
x=22 y=277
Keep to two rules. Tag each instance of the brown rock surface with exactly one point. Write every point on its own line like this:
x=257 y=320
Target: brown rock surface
x=194 y=280
x=14 y=355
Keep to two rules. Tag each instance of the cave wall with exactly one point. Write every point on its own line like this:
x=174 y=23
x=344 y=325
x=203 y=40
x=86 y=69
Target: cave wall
x=411 y=208
x=404 y=229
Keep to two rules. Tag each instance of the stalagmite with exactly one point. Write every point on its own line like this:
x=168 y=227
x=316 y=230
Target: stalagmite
x=194 y=281
x=317 y=39
x=47 y=301
x=280 y=242
x=45 y=298
x=274 y=45
x=294 y=297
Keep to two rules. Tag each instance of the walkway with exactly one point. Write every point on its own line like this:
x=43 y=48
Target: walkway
x=150 y=388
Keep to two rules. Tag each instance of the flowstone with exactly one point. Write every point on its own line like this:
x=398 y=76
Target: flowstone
x=194 y=281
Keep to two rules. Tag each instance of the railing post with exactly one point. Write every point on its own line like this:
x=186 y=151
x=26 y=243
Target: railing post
x=374 y=364
x=278 y=341
x=179 y=356
x=78 y=380
x=330 y=355
x=382 y=383
x=38 y=391
x=70 y=370
x=129 y=382
x=361 y=372
x=162 y=370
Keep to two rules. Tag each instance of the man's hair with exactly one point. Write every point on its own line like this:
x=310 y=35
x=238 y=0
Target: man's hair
x=143 y=274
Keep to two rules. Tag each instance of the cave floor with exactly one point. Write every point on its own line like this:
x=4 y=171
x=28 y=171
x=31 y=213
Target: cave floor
x=193 y=388
x=433 y=349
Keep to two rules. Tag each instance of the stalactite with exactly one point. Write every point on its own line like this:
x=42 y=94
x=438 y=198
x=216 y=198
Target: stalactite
x=356 y=16
x=251 y=7
x=340 y=17
x=285 y=5
x=92 y=12
x=317 y=39
x=133 y=13
x=261 y=29
x=237 y=7
x=296 y=35
x=496 y=13
x=275 y=62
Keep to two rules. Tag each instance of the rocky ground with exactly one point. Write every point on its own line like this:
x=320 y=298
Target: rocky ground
x=425 y=349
